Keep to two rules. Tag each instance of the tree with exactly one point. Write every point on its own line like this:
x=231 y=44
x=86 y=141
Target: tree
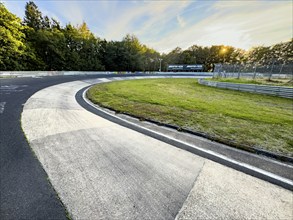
x=46 y=23
x=133 y=51
x=90 y=46
x=41 y=43
x=33 y=17
x=50 y=47
x=55 y=24
x=282 y=52
x=174 y=56
x=150 y=57
x=199 y=54
x=82 y=49
x=115 y=56
x=12 y=38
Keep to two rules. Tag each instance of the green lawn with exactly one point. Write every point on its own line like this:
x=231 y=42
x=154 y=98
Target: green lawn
x=273 y=82
x=247 y=119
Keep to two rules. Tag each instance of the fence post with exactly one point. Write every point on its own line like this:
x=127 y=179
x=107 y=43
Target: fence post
x=233 y=68
x=271 y=73
x=239 y=72
x=254 y=74
x=281 y=68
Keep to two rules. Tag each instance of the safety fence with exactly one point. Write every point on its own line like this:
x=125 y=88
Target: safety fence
x=281 y=91
x=270 y=71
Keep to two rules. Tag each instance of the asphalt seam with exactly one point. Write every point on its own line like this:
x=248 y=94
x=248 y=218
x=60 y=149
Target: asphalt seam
x=245 y=168
x=67 y=214
x=189 y=194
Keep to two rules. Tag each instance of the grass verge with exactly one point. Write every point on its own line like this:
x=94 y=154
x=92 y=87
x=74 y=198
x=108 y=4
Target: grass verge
x=243 y=118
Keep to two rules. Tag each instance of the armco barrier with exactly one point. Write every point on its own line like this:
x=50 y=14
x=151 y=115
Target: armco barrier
x=281 y=91
x=46 y=73
x=66 y=73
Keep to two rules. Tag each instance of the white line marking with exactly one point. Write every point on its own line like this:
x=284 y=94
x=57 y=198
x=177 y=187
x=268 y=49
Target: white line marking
x=2 y=104
x=104 y=80
x=12 y=88
x=247 y=166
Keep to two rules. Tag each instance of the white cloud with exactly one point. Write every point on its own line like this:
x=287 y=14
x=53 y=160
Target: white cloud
x=181 y=21
x=158 y=13
x=241 y=25
x=69 y=11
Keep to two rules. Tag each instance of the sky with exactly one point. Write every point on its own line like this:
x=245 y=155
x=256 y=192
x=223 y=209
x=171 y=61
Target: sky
x=164 y=25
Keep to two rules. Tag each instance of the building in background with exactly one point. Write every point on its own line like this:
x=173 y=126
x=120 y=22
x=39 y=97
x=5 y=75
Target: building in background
x=185 y=68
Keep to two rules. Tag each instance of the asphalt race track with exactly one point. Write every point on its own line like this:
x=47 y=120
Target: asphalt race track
x=101 y=170
x=25 y=191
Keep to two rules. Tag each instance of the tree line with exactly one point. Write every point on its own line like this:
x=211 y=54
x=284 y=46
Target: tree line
x=40 y=43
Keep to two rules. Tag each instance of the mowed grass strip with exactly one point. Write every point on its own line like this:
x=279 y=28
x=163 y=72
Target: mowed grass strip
x=247 y=119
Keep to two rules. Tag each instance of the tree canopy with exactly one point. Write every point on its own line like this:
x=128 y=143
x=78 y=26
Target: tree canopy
x=12 y=40
x=41 y=43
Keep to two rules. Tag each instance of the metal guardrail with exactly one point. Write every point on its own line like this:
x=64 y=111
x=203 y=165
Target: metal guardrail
x=47 y=73
x=281 y=91
x=64 y=73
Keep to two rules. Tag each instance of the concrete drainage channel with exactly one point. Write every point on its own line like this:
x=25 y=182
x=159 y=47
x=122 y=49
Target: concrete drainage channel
x=102 y=170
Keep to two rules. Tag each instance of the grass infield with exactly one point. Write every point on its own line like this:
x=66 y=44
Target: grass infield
x=246 y=119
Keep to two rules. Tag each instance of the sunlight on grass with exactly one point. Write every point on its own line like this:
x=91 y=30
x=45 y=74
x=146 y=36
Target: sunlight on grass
x=247 y=119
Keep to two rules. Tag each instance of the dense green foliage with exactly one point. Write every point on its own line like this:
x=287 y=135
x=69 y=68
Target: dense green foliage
x=244 y=118
x=41 y=43
x=281 y=53
x=12 y=40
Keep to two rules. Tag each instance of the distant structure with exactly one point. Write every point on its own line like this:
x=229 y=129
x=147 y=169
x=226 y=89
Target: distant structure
x=185 y=68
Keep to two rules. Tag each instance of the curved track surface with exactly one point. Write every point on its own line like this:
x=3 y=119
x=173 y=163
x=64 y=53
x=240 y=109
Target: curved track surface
x=25 y=192
x=102 y=170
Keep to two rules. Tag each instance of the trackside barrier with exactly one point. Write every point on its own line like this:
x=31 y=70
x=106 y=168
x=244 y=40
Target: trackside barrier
x=47 y=73
x=281 y=91
x=71 y=73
